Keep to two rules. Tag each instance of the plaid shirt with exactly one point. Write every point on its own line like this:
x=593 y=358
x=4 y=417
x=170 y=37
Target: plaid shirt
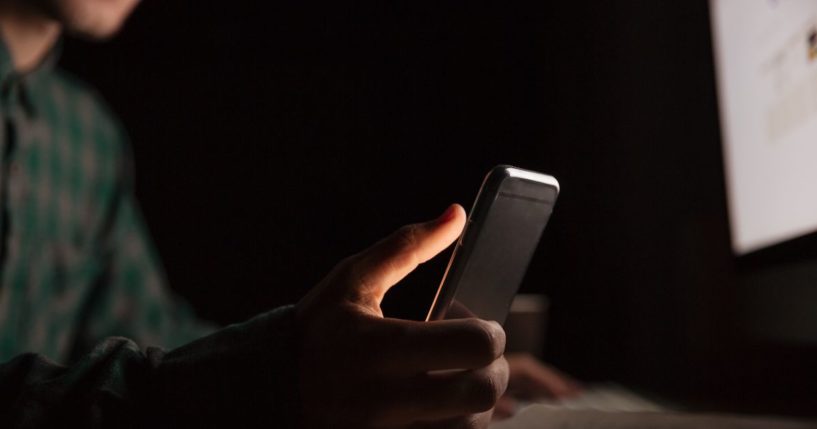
x=76 y=264
x=77 y=267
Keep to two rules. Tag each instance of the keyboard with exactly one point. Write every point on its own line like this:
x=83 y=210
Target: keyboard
x=608 y=397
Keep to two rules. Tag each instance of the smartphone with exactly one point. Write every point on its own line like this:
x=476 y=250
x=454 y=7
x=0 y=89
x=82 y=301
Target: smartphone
x=493 y=252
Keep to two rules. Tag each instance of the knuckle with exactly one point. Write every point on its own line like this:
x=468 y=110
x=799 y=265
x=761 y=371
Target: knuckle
x=473 y=421
x=346 y=268
x=503 y=374
x=484 y=392
x=351 y=273
x=487 y=340
x=406 y=237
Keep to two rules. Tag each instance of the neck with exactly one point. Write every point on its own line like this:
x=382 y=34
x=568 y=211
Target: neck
x=28 y=35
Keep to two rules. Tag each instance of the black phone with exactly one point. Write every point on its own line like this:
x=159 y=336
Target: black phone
x=493 y=252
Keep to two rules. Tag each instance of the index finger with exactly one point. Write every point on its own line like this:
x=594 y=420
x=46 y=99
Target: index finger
x=414 y=347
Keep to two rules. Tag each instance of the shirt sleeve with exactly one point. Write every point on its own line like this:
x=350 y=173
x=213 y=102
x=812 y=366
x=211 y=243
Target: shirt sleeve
x=240 y=376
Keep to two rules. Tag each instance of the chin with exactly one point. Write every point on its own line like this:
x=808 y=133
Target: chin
x=93 y=19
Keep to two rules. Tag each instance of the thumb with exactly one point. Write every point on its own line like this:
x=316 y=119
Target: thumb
x=387 y=262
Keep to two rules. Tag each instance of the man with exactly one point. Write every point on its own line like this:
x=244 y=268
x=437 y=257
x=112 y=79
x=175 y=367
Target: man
x=79 y=284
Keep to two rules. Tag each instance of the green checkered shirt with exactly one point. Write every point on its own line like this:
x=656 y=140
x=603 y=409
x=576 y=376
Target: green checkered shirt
x=82 y=296
x=76 y=263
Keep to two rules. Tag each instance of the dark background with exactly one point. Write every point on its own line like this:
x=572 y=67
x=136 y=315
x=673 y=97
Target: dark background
x=272 y=140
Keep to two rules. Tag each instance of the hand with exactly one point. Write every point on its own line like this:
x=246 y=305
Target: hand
x=359 y=369
x=532 y=379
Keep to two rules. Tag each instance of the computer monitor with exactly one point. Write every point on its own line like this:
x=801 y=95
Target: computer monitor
x=766 y=61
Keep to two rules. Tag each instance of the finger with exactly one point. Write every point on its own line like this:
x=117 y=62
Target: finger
x=450 y=394
x=381 y=266
x=410 y=347
x=505 y=407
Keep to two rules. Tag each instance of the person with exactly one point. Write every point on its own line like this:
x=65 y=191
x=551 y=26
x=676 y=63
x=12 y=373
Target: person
x=90 y=335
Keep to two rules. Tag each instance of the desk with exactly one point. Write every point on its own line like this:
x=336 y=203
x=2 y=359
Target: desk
x=543 y=417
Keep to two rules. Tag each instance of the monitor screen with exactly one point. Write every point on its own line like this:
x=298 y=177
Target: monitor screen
x=766 y=60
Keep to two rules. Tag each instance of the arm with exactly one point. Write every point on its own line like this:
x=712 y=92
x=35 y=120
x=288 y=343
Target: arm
x=239 y=376
x=333 y=361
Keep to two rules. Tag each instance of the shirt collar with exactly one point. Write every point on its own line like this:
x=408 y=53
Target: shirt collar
x=6 y=65
x=11 y=81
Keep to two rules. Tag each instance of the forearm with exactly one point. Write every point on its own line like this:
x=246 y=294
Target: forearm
x=240 y=375
x=243 y=375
